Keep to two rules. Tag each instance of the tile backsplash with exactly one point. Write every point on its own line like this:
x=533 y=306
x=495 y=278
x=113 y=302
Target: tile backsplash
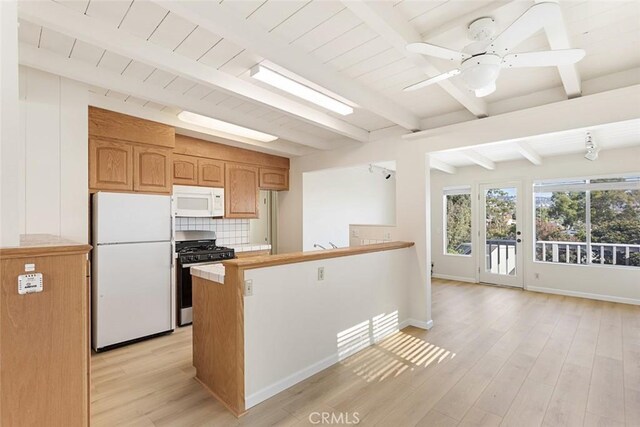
x=360 y=235
x=228 y=231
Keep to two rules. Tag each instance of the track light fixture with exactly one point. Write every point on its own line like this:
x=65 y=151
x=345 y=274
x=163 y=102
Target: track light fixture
x=592 y=148
x=385 y=172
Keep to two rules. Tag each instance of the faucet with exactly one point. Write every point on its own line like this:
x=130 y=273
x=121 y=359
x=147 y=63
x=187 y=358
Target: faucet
x=315 y=245
x=333 y=246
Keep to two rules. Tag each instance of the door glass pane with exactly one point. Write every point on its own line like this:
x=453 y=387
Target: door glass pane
x=500 y=225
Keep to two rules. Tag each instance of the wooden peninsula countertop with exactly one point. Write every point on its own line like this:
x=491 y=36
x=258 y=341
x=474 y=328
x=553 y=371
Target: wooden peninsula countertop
x=219 y=317
x=294 y=257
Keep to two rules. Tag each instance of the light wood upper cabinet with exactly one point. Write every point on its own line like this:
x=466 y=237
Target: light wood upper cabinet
x=241 y=191
x=112 y=125
x=152 y=169
x=274 y=179
x=185 y=170
x=110 y=165
x=210 y=173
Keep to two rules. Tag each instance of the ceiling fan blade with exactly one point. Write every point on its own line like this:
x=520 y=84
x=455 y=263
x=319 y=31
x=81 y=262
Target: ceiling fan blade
x=487 y=90
x=432 y=80
x=437 y=51
x=524 y=27
x=548 y=58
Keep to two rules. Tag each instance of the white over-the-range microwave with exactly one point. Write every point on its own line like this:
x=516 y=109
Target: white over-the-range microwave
x=192 y=201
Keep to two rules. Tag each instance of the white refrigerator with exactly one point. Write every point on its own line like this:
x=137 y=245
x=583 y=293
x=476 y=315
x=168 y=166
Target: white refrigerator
x=131 y=267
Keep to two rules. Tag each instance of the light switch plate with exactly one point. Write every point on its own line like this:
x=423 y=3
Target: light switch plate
x=30 y=283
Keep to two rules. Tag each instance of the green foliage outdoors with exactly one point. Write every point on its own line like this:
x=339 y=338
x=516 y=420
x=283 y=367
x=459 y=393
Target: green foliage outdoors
x=458 y=222
x=615 y=218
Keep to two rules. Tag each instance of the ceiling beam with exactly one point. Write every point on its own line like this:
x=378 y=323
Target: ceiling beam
x=479 y=159
x=525 y=149
x=71 y=23
x=382 y=17
x=516 y=8
x=441 y=166
x=585 y=112
x=50 y=62
x=556 y=32
x=223 y=21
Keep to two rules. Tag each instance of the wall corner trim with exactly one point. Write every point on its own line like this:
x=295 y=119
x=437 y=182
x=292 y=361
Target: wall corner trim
x=421 y=323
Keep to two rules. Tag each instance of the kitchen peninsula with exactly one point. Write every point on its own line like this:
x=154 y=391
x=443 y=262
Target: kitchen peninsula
x=264 y=323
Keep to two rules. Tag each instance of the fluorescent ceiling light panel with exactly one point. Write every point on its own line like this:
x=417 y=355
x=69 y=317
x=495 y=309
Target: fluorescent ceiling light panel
x=208 y=122
x=274 y=79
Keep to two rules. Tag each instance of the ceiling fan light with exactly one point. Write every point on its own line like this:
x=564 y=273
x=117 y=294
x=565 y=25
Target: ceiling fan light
x=480 y=76
x=487 y=90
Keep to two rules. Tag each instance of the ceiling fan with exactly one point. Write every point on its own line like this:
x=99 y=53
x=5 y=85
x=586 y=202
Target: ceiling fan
x=482 y=60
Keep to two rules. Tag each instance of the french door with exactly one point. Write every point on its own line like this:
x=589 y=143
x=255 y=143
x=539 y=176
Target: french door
x=501 y=236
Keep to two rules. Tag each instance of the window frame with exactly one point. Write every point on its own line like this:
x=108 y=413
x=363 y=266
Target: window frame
x=454 y=191
x=587 y=187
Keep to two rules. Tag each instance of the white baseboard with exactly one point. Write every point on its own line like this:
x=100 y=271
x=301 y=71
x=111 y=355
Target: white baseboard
x=456 y=278
x=420 y=324
x=303 y=374
x=583 y=295
x=285 y=383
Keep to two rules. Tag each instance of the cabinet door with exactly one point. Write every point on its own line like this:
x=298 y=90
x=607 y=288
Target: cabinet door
x=152 y=169
x=274 y=179
x=241 y=191
x=185 y=170
x=110 y=165
x=210 y=173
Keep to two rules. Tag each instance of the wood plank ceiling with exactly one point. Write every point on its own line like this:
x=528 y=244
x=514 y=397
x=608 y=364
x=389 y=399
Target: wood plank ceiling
x=330 y=34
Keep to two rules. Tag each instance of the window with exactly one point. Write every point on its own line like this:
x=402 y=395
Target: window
x=588 y=221
x=457 y=215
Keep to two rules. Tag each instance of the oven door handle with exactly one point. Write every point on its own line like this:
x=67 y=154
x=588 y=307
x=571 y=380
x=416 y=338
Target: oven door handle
x=199 y=263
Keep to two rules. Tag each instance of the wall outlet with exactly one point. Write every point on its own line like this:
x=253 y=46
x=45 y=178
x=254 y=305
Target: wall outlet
x=248 y=288
x=320 y=273
x=354 y=233
x=537 y=275
x=387 y=236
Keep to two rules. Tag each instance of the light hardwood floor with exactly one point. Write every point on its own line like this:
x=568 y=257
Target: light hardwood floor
x=495 y=356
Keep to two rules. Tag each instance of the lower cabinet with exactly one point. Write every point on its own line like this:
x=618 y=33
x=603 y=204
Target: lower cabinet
x=152 y=169
x=241 y=191
x=45 y=339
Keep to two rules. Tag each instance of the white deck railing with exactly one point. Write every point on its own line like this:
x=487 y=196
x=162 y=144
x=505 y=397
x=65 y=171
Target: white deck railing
x=601 y=253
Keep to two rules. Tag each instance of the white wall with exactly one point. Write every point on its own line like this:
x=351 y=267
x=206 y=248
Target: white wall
x=296 y=327
x=609 y=283
x=53 y=188
x=412 y=177
x=333 y=199
x=10 y=145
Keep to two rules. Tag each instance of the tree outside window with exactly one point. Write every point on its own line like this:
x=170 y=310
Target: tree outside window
x=609 y=235
x=458 y=222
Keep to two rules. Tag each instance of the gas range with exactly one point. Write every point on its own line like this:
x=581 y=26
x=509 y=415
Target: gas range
x=194 y=247
x=199 y=251
x=198 y=247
